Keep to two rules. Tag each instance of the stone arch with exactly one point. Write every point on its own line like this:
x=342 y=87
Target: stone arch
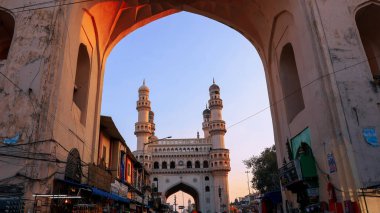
x=82 y=84
x=130 y=16
x=197 y=164
x=164 y=165
x=290 y=82
x=189 y=164
x=205 y=164
x=367 y=21
x=7 y=28
x=185 y=188
x=156 y=165
x=172 y=164
x=73 y=171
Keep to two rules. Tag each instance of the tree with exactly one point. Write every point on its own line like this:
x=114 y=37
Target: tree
x=265 y=171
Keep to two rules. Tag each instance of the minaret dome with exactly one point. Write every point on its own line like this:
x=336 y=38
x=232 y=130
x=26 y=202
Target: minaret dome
x=143 y=88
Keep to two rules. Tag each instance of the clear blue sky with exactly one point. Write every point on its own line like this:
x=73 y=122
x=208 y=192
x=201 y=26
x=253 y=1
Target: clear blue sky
x=178 y=56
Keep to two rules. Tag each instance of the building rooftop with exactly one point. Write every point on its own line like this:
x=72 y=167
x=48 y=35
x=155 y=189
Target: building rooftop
x=109 y=127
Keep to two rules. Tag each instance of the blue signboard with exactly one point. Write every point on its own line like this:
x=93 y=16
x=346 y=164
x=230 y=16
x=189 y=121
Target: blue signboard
x=370 y=136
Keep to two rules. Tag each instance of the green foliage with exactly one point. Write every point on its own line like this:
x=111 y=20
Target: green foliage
x=265 y=171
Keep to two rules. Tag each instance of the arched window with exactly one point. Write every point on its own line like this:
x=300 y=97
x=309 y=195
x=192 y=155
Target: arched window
x=368 y=23
x=290 y=83
x=7 y=28
x=180 y=163
x=207 y=188
x=156 y=165
x=164 y=165
x=189 y=164
x=205 y=164
x=73 y=169
x=82 y=80
x=212 y=165
x=172 y=165
x=197 y=164
x=207 y=178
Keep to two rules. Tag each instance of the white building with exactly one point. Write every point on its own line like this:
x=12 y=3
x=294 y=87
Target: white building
x=197 y=166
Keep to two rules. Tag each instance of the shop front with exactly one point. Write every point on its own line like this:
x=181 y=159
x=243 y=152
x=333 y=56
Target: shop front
x=299 y=175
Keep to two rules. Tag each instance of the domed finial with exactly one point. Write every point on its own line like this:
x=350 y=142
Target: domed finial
x=206 y=106
x=144 y=87
x=213 y=80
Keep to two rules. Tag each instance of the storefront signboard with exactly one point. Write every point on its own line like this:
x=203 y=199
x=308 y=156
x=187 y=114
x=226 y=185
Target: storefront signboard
x=119 y=189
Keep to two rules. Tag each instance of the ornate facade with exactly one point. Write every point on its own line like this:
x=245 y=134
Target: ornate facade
x=197 y=166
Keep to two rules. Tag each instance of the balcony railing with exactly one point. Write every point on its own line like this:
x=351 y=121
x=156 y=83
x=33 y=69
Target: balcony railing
x=290 y=173
x=302 y=169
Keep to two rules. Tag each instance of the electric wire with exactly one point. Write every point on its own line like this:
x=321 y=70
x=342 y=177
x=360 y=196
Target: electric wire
x=234 y=124
x=284 y=97
x=241 y=121
x=301 y=88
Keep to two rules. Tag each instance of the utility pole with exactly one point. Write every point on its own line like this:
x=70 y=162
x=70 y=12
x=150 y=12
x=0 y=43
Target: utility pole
x=175 y=203
x=249 y=188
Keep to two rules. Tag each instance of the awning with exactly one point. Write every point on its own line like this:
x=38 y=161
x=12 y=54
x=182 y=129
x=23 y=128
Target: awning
x=98 y=192
x=111 y=196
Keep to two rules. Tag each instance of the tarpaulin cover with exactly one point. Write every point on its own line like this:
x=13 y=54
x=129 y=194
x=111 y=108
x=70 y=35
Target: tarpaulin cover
x=303 y=137
x=111 y=196
x=274 y=197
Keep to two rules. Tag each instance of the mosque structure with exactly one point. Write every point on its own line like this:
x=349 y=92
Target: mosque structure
x=197 y=166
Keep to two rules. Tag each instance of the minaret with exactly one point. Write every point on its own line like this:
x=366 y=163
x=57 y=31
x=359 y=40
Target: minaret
x=152 y=137
x=151 y=121
x=219 y=155
x=143 y=128
x=217 y=125
x=206 y=121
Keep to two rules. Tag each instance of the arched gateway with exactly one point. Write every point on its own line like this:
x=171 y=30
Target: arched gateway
x=187 y=189
x=207 y=185
x=320 y=65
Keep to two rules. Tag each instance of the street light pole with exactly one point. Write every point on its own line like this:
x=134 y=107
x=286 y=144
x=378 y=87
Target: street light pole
x=249 y=188
x=175 y=204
